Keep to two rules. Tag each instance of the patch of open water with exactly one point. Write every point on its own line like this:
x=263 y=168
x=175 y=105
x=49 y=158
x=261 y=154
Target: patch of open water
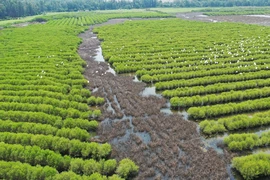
x=99 y=58
x=150 y=91
x=144 y=136
x=135 y=79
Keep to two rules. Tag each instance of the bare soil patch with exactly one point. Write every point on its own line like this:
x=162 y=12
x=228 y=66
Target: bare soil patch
x=164 y=146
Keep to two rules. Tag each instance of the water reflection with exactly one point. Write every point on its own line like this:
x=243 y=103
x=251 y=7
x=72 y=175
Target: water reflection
x=144 y=136
x=135 y=79
x=111 y=70
x=99 y=57
x=150 y=91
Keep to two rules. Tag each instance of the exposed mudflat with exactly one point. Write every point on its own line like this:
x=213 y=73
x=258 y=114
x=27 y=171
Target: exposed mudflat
x=164 y=146
x=248 y=19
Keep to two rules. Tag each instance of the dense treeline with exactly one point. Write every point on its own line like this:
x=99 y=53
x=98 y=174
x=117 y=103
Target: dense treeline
x=18 y=8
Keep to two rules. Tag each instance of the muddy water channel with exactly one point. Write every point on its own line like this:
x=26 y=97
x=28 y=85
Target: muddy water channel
x=139 y=124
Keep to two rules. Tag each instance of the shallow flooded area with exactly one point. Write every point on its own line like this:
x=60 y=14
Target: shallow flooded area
x=139 y=123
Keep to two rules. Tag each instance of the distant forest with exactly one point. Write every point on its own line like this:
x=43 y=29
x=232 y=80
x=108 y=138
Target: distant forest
x=19 y=8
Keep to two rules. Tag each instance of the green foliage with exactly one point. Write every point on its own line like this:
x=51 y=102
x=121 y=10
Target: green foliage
x=220 y=98
x=235 y=122
x=238 y=142
x=91 y=166
x=253 y=166
x=28 y=8
x=34 y=128
x=75 y=133
x=109 y=167
x=76 y=165
x=216 y=88
x=73 y=176
x=45 y=118
x=196 y=113
x=34 y=156
x=39 y=19
x=95 y=101
x=24 y=171
x=67 y=176
x=192 y=72
x=74 y=148
x=115 y=177
x=80 y=123
x=208 y=69
x=211 y=80
x=18 y=170
x=210 y=127
x=230 y=108
x=127 y=168
x=236 y=11
x=42 y=86
x=37 y=117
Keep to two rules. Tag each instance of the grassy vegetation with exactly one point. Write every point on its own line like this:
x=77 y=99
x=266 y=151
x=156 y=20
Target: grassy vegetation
x=26 y=19
x=60 y=15
x=253 y=166
x=211 y=69
x=239 y=142
x=218 y=11
x=176 y=10
x=46 y=121
x=238 y=122
x=235 y=11
x=121 y=11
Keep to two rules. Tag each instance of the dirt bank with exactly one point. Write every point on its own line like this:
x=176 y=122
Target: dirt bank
x=164 y=146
